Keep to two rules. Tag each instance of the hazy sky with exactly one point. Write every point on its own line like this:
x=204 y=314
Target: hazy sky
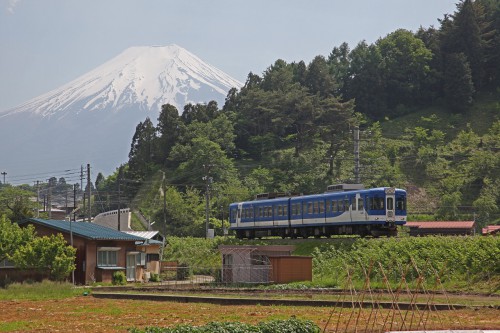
x=47 y=43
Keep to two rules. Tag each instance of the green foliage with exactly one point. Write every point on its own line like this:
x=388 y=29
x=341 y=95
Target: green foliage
x=460 y=262
x=119 y=278
x=16 y=203
x=13 y=237
x=273 y=326
x=47 y=253
x=154 y=277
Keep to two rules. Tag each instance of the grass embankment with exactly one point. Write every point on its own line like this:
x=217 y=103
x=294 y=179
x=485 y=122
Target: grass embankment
x=45 y=290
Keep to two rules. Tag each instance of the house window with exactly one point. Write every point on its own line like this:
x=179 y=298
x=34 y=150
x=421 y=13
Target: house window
x=152 y=257
x=107 y=257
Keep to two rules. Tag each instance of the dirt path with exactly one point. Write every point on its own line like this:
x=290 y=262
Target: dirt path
x=88 y=314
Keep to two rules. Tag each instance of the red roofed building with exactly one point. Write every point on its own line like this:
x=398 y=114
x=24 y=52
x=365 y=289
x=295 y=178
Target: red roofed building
x=491 y=230
x=457 y=228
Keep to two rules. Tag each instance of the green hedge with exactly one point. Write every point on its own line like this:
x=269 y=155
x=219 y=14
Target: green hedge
x=275 y=326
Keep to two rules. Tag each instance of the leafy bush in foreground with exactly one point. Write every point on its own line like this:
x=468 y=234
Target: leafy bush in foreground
x=291 y=325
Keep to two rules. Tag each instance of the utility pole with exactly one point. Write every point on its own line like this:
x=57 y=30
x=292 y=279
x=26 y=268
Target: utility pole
x=37 y=198
x=81 y=179
x=4 y=174
x=74 y=202
x=356 y=155
x=66 y=204
x=164 y=205
x=49 y=200
x=119 y=197
x=208 y=181
x=89 y=192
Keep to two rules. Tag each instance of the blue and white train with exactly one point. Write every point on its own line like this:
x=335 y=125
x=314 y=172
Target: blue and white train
x=343 y=210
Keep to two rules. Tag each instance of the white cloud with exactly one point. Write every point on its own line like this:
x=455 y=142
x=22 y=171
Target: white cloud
x=11 y=5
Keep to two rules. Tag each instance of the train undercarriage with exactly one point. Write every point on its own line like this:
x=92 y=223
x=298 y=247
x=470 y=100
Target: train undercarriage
x=388 y=230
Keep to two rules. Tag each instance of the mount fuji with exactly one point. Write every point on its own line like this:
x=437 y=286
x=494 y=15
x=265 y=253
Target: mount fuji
x=92 y=119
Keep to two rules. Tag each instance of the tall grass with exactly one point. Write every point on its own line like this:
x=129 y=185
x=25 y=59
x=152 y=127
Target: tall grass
x=44 y=290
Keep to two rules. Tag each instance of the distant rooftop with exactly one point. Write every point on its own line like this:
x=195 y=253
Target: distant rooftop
x=441 y=224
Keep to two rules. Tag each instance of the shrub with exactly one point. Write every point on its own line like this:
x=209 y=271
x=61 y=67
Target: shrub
x=274 y=326
x=154 y=277
x=119 y=278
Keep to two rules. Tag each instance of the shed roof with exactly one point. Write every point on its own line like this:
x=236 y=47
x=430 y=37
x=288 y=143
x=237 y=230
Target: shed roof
x=85 y=229
x=491 y=229
x=441 y=224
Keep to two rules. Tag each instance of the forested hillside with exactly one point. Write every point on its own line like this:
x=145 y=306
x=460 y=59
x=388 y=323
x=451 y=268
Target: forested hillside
x=427 y=104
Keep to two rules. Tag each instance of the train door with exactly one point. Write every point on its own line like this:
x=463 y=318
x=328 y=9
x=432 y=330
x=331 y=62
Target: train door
x=360 y=208
x=238 y=214
x=390 y=199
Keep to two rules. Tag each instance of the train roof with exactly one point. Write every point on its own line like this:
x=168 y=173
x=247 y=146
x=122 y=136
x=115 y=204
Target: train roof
x=317 y=196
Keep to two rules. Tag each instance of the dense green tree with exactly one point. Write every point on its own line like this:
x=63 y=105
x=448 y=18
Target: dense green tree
x=461 y=33
x=13 y=237
x=318 y=78
x=277 y=77
x=365 y=82
x=99 y=181
x=142 y=150
x=202 y=157
x=16 y=203
x=50 y=253
x=170 y=128
x=405 y=64
x=339 y=62
x=458 y=85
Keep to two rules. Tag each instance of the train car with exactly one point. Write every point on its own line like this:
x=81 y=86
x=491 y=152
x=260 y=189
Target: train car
x=365 y=212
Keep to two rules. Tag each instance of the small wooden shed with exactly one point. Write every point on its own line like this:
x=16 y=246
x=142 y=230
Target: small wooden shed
x=263 y=264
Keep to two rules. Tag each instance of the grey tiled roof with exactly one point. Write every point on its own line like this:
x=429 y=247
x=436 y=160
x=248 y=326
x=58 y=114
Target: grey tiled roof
x=85 y=229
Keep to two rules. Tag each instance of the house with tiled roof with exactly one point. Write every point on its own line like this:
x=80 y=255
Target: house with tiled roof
x=423 y=228
x=101 y=251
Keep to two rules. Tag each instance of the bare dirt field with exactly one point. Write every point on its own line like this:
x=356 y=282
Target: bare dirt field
x=88 y=314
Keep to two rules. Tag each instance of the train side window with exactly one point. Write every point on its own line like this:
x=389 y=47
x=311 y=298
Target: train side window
x=346 y=205
x=315 y=207
x=310 y=209
x=269 y=211
x=321 y=207
x=360 y=204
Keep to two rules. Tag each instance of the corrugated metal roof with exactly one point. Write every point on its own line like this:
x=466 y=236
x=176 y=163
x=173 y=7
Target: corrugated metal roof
x=85 y=229
x=143 y=234
x=442 y=224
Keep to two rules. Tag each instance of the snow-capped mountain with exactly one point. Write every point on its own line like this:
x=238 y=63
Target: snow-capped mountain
x=92 y=118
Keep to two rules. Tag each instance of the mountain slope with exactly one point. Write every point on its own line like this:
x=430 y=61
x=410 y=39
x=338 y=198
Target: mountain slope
x=92 y=119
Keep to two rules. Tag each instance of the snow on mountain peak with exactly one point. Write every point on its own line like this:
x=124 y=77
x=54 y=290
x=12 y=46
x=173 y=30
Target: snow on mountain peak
x=143 y=76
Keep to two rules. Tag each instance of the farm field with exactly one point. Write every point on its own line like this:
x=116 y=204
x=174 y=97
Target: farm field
x=88 y=314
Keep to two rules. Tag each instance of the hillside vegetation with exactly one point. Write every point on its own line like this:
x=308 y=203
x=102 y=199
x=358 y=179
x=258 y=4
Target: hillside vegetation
x=427 y=104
